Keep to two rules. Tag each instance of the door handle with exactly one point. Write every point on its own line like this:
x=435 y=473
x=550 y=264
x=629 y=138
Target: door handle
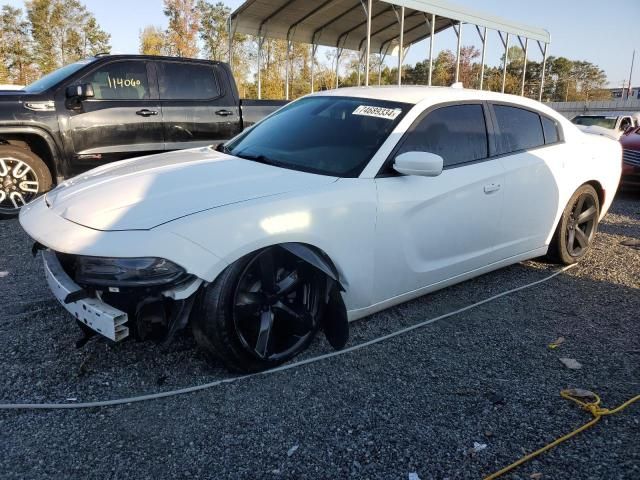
x=492 y=187
x=224 y=113
x=145 y=112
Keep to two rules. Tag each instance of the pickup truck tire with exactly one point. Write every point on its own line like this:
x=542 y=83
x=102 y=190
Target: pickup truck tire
x=23 y=176
x=261 y=311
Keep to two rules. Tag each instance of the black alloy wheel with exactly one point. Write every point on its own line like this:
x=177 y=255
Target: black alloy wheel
x=262 y=311
x=581 y=224
x=577 y=226
x=276 y=305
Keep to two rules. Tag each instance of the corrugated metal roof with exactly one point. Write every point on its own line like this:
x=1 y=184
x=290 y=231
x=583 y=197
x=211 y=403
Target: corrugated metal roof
x=343 y=23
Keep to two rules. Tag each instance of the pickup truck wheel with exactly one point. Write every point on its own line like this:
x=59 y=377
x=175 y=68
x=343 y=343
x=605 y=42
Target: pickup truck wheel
x=261 y=311
x=23 y=176
x=577 y=227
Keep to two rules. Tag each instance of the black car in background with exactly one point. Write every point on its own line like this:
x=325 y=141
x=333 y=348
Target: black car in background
x=107 y=108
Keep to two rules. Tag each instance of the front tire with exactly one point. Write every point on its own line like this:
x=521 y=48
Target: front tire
x=577 y=227
x=23 y=176
x=262 y=311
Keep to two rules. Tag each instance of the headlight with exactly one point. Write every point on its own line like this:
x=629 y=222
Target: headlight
x=123 y=272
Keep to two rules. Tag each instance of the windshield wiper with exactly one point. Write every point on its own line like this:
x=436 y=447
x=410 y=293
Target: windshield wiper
x=259 y=158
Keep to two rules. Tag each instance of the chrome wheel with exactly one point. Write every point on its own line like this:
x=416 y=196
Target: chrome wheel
x=581 y=224
x=276 y=305
x=19 y=184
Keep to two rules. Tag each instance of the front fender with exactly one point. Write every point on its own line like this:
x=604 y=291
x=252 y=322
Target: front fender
x=338 y=220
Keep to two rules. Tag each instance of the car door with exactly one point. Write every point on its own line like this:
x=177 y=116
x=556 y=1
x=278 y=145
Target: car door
x=121 y=120
x=198 y=106
x=531 y=164
x=430 y=229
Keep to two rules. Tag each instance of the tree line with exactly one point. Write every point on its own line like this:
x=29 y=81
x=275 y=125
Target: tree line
x=46 y=35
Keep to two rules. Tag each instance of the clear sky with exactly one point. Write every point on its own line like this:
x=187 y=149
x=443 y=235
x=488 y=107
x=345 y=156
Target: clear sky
x=602 y=32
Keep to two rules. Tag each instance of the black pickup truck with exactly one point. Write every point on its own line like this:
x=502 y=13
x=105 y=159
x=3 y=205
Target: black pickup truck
x=112 y=107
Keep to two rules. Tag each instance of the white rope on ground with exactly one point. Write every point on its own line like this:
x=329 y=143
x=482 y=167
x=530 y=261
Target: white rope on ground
x=181 y=391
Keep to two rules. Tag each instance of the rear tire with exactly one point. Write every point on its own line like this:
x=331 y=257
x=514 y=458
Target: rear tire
x=23 y=177
x=577 y=227
x=261 y=311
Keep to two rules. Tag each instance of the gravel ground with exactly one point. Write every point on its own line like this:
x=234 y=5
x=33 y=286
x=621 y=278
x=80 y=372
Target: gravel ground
x=416 y=403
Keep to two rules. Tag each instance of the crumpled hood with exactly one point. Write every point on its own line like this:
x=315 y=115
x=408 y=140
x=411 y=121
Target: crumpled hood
x=142 y=193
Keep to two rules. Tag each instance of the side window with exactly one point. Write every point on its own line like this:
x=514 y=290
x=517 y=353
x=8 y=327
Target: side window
x=550 y=130
x=519 y=129
x=187 y=81
x=119 y=81
x=457 y=133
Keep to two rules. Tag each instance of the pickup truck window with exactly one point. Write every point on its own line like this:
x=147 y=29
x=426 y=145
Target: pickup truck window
x=328 y=135
x=55 y=77
x=119 y=81
x=187 y=81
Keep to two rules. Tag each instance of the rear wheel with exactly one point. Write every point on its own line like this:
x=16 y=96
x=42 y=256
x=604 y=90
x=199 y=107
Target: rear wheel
x=261 y=311
x=23 y=176
x=577 y=227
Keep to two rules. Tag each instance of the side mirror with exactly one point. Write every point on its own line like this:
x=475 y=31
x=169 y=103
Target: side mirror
x=424 y=164
x=80 y=92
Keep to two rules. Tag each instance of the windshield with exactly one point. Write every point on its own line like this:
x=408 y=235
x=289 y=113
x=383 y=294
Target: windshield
x=328 y=135
x=598 y=121
x=55 y=77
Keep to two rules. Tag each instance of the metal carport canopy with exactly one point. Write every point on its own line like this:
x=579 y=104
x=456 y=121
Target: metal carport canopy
x=343 y=23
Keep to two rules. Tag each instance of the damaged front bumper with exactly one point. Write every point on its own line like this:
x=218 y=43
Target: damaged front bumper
x=92 y=312
x=89 y=309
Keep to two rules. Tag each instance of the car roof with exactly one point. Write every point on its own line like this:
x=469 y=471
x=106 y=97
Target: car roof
x=416 y=94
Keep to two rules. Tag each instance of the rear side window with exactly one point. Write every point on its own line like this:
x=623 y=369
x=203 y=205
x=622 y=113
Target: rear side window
x=550 y=130
x=119 y=81
x=519 y=129
x=457 y=133
x=187 y=81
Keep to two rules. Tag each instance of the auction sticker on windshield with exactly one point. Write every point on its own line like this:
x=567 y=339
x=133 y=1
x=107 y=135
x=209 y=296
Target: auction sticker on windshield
x=379 y=112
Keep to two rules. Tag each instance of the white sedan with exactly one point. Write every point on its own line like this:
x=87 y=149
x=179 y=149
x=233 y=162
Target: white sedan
x=339 y=205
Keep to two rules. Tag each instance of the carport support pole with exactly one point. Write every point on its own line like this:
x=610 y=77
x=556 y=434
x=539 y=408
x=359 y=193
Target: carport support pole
x=459 y=34
x=314 y=48
x=338 y=55
x=287 y=67
x=260 y=42
x=506 y=60
x=382 y=59
x=544 y=64
x=368 y=53
x=433 y=31
x=483 y=37
x=401 y=49
x=524 y=66
x=230 y=34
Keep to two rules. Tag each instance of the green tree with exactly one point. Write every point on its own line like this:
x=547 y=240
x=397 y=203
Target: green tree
x=213 y=30
x=184 y=20
x=63 y=31
x=152 y=40
x=15 y=52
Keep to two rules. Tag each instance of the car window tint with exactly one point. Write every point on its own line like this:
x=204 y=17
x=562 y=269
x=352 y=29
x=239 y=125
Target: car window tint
x=550 y=130
x=519 y=129
x=119 y=81
x=457 y=133
x=187 y=81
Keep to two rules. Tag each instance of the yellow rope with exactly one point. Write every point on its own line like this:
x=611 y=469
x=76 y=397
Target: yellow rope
x=593 y=407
